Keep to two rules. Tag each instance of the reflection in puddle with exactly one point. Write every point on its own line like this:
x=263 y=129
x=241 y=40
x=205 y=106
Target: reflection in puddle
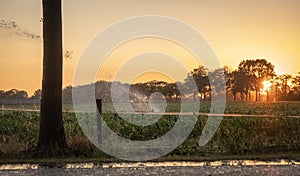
x=80 y=166
x=197 y=164
x=155 y=164
x=18 y=166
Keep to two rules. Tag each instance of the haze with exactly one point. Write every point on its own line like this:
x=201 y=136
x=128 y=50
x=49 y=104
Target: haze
x=236 y=30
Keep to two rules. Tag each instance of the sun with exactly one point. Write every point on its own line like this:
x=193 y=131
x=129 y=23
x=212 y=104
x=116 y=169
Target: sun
x=267 y=84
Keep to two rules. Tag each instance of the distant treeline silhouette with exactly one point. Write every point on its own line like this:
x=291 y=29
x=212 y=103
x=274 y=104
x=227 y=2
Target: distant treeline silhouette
x=253 y=80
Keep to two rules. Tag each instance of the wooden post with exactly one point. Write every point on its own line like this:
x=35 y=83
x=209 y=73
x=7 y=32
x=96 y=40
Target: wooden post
x=99 y=120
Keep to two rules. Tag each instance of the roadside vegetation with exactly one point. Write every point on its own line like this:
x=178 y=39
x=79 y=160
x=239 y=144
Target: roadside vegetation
x=236 y=136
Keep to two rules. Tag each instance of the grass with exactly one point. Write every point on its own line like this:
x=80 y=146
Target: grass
x=237 y=137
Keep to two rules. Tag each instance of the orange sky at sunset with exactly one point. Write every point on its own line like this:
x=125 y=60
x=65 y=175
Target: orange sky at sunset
x=236 y=30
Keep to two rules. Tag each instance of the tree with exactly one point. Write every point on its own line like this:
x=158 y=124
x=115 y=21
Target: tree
x=216 y=82
x=275 y=85
x=51 y=134
x=21 y=94
x=67 y=95
x=296 y=81
x=15 y=94
x=284 y=80
x=37 y=94
x=11 y=93
x=241 y=83
x=2 y=94
x=259 y=70
x=200 y=76
x=142 y=89
x=296 y=88
x=171 y=91
x=228 y=78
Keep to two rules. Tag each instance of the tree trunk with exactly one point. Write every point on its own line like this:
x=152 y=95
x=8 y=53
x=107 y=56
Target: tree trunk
x=256 y=95
x=52 y=135
x=242 y=96
x=276 y=94
x=249 y=96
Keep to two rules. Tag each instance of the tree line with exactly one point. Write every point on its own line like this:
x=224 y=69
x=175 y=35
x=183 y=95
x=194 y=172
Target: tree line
x=253 y=80
x=19 y=94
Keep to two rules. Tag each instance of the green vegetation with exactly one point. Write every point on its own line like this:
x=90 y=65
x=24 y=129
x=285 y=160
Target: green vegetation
x=246 y=136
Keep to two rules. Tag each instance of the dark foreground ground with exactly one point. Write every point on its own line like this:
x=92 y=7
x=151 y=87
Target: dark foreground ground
x=172 y=169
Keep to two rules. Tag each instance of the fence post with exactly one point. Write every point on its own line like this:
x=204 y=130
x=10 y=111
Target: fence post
x=99 y=120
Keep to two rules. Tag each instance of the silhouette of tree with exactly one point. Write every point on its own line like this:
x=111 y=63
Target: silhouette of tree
x=275 y=82
x=285 y=88
x=296 y=81
x=258 y=70
x=200 y=76
x=11 y=93
x=295 y=91
x=21 y=94
x=228 y=78
x=241 y=83
x=141 y=89
x=67 y=95
x=2 y=94
x=103 y=91
x=15 y=94
x=37 y=94
x=51 y=134
x=217 y=84
x=171 y=91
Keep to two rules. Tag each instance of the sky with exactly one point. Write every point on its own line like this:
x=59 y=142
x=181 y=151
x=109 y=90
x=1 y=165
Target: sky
x=235 y=30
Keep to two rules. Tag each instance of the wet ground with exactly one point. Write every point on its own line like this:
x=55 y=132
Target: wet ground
x=248 y=167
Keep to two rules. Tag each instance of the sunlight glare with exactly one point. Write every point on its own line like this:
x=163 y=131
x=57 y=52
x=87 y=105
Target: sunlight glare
x=267 y=84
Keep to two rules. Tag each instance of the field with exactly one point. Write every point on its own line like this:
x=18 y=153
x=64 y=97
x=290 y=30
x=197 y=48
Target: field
x=274 y=129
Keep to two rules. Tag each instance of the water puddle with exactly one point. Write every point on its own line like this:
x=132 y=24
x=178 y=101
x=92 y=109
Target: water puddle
x=201 y=164
x=155 y=164
x=18 y=166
